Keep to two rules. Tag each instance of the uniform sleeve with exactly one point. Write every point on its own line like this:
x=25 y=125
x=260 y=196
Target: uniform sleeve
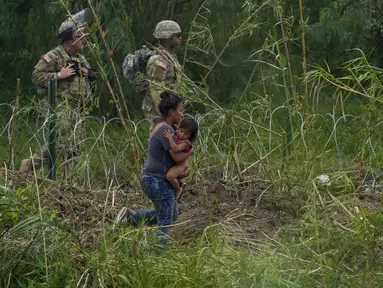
x=44 y=70
x=156 y=72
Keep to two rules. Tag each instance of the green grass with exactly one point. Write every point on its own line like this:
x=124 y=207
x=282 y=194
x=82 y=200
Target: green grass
x=313 y=252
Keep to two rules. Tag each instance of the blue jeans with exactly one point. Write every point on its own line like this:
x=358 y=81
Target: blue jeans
x=161 y=193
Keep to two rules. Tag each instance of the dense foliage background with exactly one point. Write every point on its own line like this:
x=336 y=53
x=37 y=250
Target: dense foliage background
x=283 y=91
x=29 y=29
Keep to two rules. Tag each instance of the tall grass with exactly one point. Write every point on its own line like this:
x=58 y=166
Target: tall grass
x=334 y=239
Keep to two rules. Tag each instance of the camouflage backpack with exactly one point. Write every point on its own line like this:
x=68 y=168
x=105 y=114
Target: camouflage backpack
x=134 y=67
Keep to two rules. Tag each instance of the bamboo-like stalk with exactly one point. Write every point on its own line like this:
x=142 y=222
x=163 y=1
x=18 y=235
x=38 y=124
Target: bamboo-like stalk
x=13 y=126
x=106 y=44
x=263 y=82
x=115 y=99
x=232 y=115
x=235 y=157
x=232 y=37
x=103 y=75
x=285 y=40
x=260 y=159
x=302 y=24
x=191 y=27
x=289 y=125
x=40 y=213
x=304 y=64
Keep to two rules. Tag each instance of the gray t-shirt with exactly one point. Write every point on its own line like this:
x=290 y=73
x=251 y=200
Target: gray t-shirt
x=159 y=160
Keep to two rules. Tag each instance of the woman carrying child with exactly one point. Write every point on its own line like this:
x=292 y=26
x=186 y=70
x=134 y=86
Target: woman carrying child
x=160 y=159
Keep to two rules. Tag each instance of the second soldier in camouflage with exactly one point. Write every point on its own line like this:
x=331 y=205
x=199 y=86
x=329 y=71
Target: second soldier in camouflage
x=163 y=70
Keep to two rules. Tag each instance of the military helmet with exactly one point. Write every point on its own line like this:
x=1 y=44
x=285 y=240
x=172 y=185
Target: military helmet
x=166 y=29
x=67 y=30
x=70 y=27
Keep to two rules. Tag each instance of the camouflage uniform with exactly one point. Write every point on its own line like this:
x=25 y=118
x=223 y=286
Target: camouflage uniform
x=72 y=93
x=71 y=89
x=163 y=72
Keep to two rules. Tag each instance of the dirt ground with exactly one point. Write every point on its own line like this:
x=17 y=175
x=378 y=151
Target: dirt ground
x=243 y=209
x=248 y=210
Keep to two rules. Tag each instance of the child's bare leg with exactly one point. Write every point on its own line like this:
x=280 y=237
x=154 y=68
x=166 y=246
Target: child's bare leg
x=173 y=174
x=186 y=166
x=177 y=188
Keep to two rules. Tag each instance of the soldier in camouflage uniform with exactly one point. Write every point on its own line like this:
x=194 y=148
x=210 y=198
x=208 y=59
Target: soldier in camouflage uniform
x=71 y=70
x=163 y=69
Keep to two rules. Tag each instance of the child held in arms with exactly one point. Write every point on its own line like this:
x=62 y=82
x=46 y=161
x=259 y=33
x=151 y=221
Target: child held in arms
x=186 y=134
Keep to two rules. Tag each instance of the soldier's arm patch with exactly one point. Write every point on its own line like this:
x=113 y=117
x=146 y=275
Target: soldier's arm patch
x=46 y=58
x=161 y=64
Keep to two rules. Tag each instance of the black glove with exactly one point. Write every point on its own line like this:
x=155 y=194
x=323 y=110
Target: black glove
x=92 y=74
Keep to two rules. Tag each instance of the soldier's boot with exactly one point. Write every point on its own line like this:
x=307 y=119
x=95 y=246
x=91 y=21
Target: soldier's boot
x=25 y=166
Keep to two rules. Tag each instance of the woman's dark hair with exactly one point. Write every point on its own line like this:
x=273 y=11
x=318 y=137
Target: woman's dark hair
x=170 y=101
x=192 y=126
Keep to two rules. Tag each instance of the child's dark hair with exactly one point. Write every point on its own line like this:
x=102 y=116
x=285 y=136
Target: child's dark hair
x=192 y=126
x=170 y=101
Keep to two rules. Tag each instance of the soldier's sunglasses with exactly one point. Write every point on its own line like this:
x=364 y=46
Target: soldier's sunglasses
x=178 y=35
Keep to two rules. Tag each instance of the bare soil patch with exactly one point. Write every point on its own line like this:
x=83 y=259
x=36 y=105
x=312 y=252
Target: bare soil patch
x=249 y=210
